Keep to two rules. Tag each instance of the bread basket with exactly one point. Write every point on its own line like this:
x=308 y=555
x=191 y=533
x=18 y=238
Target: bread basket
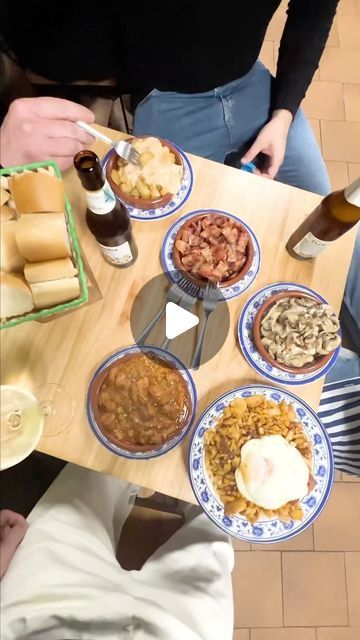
x=75 y=255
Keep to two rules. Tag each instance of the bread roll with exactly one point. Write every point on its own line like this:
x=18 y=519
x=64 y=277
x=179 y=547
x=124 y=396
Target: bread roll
x=48 y=294
x=10 y=257
x=42 y=236
x=4 y=196
x=37 y=192
x=49 y=270
x=15 y=296
x=6 y=213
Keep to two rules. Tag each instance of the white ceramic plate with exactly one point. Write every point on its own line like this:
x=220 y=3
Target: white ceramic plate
x=247 y=345
x=174 y=275
x=164 y=355
x=263 y=531
x=174 y=205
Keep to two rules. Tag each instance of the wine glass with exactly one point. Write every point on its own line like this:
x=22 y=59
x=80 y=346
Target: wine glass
x=26 y=417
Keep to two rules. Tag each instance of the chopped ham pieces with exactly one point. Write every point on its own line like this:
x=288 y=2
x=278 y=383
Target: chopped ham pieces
x=212 y=247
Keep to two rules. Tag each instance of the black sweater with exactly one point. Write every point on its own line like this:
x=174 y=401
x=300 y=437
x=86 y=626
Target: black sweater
x=187 y=46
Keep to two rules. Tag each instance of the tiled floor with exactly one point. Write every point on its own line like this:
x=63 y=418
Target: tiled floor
x=309 y=587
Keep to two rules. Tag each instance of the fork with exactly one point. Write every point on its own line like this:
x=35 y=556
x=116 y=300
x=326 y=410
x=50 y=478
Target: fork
x=124 y=149
x=174 y=294
x=187 y=301
x=210 y=300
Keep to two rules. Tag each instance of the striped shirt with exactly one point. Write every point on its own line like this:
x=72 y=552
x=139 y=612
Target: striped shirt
x=339 y=412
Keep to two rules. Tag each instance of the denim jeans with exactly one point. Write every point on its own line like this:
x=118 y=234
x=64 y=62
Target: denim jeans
x=221 y=125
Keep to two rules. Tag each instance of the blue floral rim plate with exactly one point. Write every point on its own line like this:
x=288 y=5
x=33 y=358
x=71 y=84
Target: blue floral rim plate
x=248 y=348
x=266 y=530
x=174 y=275
x=164 y=355
x=177 y=201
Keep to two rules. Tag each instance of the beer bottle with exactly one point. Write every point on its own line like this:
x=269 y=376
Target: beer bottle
x=337 y=213
x=107 y=219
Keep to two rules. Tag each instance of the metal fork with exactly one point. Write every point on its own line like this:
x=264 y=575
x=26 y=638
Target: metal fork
x=210 y=300
x=124 y=149
x=174 y=295
x=186 y=302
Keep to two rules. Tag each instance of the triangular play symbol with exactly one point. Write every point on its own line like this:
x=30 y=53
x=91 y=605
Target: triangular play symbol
x=178 y=320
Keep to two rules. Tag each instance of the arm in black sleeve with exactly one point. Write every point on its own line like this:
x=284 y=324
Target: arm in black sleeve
x=302 y=43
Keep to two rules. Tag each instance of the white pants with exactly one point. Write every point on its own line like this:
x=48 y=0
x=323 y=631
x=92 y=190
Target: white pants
x=64 y=582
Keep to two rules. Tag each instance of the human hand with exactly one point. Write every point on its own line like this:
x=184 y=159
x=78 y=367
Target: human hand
x=36 y=129
x=12 y=530
x=271 y=142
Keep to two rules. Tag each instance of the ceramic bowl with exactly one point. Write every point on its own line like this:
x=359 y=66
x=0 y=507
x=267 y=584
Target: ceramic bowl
x=202 y=282
x=317 y=364
x=141 y=203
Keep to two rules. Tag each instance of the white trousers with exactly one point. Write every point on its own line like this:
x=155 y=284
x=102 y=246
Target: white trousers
x=64 y=582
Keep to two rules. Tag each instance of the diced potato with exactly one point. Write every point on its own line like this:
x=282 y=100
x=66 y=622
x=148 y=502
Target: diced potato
x=154 y=191
x=134 y=192
x=143 y=189
x=115 y=176
x=125 y=187
x=163 y=191
x=146 y=157
x=172 y=158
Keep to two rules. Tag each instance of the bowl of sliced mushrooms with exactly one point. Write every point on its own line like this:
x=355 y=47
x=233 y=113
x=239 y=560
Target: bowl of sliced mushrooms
x=296 y=332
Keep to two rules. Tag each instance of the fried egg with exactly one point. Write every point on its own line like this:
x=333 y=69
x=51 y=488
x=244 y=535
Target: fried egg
x=272 y=472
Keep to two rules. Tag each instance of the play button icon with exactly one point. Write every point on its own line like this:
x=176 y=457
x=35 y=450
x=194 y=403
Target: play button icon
x=178 y=320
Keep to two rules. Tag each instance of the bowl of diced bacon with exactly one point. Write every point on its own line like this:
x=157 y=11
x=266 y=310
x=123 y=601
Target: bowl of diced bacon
x=213 y=247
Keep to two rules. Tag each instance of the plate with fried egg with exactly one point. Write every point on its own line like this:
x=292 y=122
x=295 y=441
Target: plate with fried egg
x=261 y=464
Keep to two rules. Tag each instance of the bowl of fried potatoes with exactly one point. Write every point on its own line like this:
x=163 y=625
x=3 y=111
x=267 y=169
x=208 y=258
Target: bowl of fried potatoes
x=154 y=182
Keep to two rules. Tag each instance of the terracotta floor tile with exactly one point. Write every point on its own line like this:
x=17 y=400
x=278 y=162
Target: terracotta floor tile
x=267 y=55
x=340 y=65
x=302 y=542
x=339 y=178
x=324 y=100
x=241 y=634
x=345 y=476
x=338 y=474
x=257 y=589
x=239 y=545
x=349 y=30
x=315 y=125
x=340 y=140
x=354 y=171
x=352 y=563
x=276 y=26
x=314 y=589
x=283 y=634
x=338 y=527
x=352 y=100
x=346 y=8
x=338 y=633
x=333 y=39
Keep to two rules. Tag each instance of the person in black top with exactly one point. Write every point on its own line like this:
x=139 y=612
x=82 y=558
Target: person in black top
x=192 y=70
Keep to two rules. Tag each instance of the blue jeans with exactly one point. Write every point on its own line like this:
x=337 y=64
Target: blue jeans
x=225 y=121
x=221 y=125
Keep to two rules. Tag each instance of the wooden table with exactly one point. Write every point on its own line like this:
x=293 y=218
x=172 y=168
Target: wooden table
x=67 y=350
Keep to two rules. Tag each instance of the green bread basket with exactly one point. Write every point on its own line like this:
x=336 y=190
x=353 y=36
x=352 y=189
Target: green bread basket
x=75 y=254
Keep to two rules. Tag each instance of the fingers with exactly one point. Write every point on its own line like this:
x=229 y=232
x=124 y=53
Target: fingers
x=52 y=108
x=67 y=129
x=251 y=153
x=10 y=518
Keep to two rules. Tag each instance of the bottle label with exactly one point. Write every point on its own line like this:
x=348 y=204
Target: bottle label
x=102 y=201
x=310 y=246
x=117 y=255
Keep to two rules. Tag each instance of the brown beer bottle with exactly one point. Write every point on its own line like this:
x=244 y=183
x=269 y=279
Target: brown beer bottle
x=107 y=219
x=337 y=213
